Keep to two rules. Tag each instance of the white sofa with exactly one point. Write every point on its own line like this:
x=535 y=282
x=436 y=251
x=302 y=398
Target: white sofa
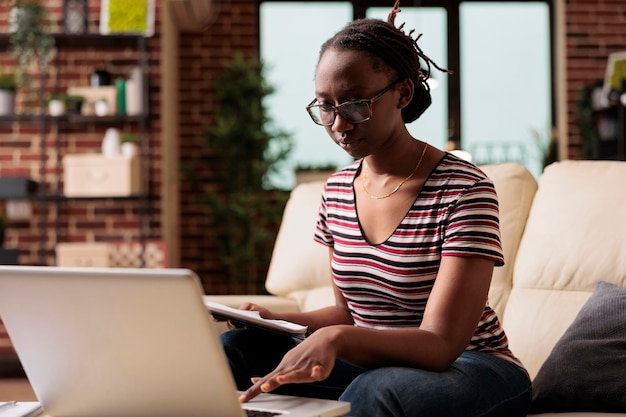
x=560 y=237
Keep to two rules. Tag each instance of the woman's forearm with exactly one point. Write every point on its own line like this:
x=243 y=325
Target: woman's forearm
x=370 y=348
x=317 y=319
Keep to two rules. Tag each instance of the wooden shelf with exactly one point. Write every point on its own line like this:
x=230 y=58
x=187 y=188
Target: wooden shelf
x=52 y=129
x=87 y=40
x=71 y=120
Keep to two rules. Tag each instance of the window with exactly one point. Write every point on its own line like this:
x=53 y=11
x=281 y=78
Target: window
x=291 y=36
x=432 y=126
x=497 y=105
x=505 y=81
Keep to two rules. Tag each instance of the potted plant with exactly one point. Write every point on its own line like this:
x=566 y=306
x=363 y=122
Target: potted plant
x=586 y=115
x=8 y=256
x=30 y=42
x=4 y=222
x=548 y=147
x=129 y=144
x=57 y=104
x=314 y=172
x=8 y=87
x=74 y=104
x=244 y=211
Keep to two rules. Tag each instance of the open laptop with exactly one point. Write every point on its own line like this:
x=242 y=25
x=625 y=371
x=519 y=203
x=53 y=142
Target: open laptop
x=126 y=342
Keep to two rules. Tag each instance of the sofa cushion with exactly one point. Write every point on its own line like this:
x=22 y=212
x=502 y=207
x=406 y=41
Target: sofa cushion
x=587 y=367
x=516 y=188
x=574 y=238
x=299 y=264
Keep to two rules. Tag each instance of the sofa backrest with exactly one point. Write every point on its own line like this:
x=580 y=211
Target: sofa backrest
x=574 y=237
x=300 y=267
x=516 y=188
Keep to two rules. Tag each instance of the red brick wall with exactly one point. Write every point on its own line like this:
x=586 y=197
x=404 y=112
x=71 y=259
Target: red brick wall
x=595 y=28
x=234 y=30
x=20 y=146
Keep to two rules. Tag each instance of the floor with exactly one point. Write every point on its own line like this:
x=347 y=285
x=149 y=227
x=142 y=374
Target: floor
x=16 y=390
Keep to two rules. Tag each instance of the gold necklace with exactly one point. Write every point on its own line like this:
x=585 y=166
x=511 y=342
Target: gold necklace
x=392 y=192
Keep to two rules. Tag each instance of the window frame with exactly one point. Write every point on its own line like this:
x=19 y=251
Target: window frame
x=452 y=7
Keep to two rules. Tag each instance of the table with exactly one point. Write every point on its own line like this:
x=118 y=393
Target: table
x=16 y=390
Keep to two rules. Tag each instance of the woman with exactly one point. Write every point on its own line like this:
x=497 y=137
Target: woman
x=413 y=239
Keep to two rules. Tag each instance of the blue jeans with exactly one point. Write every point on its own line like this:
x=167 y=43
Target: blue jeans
x=477 y=384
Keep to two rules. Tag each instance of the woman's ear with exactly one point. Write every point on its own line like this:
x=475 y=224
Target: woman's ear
x=406 y=89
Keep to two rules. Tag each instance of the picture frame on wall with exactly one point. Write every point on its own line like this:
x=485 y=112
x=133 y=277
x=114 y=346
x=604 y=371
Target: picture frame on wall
x=127 y=16
x=614 y=77
x=75 y=16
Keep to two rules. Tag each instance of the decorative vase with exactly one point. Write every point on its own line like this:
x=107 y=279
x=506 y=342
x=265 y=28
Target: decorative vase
x=7 y=102
x=13 y=18
x=56 y=107
x=111 y=142
x=129 y=149
x=101 y=107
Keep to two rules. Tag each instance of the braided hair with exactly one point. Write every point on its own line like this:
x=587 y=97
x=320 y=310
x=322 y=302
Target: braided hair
x=392 y=50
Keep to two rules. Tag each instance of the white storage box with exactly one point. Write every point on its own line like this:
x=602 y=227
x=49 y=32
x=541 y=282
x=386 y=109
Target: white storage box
x=94 y=254
x=94 y=175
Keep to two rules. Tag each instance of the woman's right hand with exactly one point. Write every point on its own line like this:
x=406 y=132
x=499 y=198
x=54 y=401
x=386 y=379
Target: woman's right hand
x=264 y=312
x=310 y=361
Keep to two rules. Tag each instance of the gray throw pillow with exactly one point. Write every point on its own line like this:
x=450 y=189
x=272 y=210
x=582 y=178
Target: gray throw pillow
x=586 y=370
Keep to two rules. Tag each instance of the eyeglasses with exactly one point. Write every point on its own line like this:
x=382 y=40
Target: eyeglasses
x=356 y=111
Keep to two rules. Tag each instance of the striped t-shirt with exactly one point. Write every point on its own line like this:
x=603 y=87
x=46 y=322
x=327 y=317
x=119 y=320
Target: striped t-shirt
x=387 y=285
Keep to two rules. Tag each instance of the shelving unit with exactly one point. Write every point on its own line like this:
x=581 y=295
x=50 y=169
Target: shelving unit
x=54 y=129
x=611 y=140
x=610 y=125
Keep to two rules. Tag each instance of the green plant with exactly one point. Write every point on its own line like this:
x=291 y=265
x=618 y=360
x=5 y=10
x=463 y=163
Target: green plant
x=585 y=119
x=247 y=148
x=73 y=99
x=74 y=103
x=30 y=42
x=129 y=138
x=548 y=146
x=57 y=96
x=4 y=224
x=8 y=81
x=321 y=167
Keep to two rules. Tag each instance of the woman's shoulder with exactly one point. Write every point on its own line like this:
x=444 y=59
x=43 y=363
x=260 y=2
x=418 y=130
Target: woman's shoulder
x=451 y=168
x=346 y=175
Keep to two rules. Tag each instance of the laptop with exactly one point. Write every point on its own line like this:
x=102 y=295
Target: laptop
x=112 y=342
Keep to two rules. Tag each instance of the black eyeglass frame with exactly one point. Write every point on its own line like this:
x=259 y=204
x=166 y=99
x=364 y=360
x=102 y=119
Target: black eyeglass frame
x=337 y=109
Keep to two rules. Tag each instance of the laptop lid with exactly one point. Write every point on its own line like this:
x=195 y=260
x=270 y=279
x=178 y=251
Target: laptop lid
x=124 y=342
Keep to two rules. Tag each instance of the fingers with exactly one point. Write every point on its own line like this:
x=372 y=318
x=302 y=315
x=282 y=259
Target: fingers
x=251 y=392
x=272 y=381
x=263 y=312
x=317 y=373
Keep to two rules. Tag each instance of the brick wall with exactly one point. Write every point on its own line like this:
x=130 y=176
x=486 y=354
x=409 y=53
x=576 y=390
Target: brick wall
x=595 y=28
x=21 y=146
x=234 y=29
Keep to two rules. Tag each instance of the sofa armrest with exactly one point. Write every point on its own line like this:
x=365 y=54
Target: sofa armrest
x=274 y=303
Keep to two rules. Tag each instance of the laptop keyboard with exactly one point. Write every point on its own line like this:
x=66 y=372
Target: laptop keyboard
x=261 y=413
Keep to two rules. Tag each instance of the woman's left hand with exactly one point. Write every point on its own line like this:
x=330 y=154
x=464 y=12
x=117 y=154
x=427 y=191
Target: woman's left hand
x=310 y=361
